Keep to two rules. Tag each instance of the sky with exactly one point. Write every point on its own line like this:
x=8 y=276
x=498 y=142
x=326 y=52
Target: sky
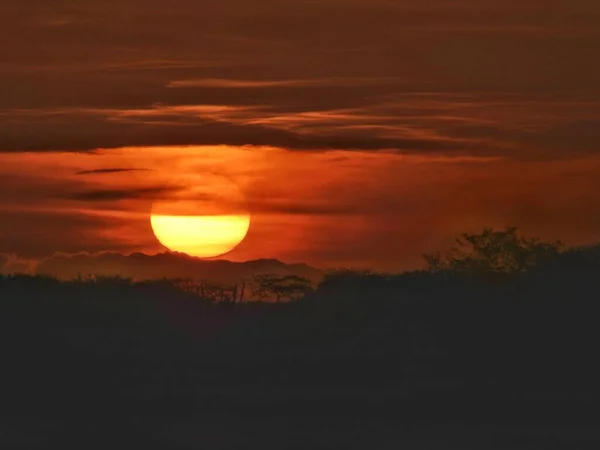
x=360 y=133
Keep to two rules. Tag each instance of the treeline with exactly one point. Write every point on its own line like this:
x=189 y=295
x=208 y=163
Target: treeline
x=262 y=287
x=492 y=258
x=499 y=323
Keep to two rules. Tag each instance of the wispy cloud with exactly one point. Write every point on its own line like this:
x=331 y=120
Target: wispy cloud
x=293 y=83
x=476 y=123
x=108 y=170
x=52 y=21
x=107 y=195
x=469 y=76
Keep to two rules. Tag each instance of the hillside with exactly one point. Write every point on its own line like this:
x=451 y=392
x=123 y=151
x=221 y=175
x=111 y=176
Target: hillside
x=139 y=266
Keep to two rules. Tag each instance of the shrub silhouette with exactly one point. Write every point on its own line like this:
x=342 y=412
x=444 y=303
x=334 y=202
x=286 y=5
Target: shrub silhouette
x=494 y=253
x=288 y=287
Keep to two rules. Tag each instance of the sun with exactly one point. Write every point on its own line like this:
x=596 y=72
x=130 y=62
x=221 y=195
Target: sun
x=204 y=217
x=202 y=236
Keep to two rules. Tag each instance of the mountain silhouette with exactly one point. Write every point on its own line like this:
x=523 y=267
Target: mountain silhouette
x=139 y=266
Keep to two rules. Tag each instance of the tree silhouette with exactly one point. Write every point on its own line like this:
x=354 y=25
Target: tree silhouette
x=213 y=292
x=290 y=287
x=493 y=252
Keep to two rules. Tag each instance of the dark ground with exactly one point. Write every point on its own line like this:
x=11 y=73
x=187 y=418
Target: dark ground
x=417 y=362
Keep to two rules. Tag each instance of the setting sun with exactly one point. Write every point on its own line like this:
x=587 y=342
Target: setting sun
x=201 y=236
x=203 y=215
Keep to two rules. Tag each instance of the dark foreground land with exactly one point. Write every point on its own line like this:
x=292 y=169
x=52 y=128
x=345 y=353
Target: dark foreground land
x=415 y=361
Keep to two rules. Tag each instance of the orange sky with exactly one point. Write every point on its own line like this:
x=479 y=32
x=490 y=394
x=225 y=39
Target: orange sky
x=361 y=132
x=334 y=208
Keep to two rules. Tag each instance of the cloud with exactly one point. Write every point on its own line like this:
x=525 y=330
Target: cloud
x=279 y=85
x=11 y=263
x=306 y=208
x=477 y=123
x=203 y=125
x=53 y=21
x=107 y=195
x=108 y=170
x=294 y=83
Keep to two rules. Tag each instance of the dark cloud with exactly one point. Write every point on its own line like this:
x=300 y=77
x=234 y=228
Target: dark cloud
x=566 y=139
x=267 y=83
x=77 y=75
x=109 y=170
x=107 y=195
x=306 y=208
x=38 y=233
x=81 y=132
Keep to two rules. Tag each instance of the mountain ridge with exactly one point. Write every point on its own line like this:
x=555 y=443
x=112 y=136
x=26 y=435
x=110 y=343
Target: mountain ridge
x=168 y=264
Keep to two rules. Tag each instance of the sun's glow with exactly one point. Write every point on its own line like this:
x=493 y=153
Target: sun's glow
x=202 y=236
x=202 y=214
